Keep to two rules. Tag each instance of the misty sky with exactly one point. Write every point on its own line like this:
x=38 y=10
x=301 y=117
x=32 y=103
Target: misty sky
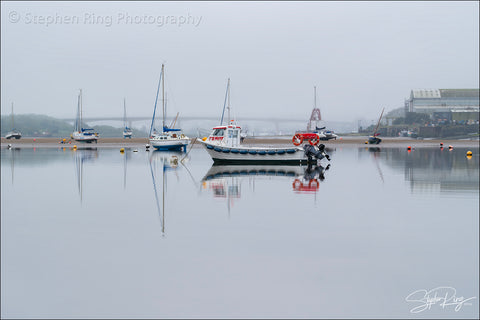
x=362 y=56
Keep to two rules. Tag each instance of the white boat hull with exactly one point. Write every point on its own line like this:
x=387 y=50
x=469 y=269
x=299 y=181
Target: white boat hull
x=80 y=137
x=13 y=135
x=244 y=154
x=169 y=144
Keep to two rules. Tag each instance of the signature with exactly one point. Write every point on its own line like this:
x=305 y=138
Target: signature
x=443 y=296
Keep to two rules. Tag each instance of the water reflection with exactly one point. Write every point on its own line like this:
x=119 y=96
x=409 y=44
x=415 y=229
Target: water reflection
x=164 y=161
x=225 y=181
x=432 y=169
x=375 y=151
x=82 y=156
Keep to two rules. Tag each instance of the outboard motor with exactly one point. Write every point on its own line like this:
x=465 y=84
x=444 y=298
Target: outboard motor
x=312 y=172
x=317 y=152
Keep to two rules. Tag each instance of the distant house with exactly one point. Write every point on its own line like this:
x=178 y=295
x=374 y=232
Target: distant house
x=457 y=105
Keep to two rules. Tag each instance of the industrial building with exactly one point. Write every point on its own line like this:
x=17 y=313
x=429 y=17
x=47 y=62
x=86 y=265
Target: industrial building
x=448 y=105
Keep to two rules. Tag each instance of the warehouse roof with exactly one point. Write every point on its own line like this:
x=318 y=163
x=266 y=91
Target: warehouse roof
x=459 y=93
x=444 y=93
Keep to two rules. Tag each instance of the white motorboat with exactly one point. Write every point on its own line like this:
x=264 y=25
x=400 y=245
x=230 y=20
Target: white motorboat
x=224 y=144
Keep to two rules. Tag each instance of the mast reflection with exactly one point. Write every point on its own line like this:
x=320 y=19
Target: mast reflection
x=164 y=161
x=82 y=156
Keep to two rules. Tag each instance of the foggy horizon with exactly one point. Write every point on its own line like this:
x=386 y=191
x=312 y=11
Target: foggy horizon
x=361 y=56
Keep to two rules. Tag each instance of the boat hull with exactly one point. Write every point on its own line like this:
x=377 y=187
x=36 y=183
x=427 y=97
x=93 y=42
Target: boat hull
x=169 y=145
x=13 y=135
x=260 y=155
x=84 y=138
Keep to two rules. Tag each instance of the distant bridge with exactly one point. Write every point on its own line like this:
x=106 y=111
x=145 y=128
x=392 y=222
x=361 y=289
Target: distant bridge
x=190 y=118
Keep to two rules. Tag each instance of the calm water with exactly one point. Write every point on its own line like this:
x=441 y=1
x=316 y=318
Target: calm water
x=100 y=234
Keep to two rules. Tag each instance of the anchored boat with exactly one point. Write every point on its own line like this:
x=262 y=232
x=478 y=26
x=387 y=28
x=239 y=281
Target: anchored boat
x=224 y=144
x=127 y=132
x=82 y=134
x=169 y=139
x=14 y=133
x=374 y=139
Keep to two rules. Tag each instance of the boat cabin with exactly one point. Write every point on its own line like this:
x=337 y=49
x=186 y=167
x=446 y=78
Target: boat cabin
x=226 y=135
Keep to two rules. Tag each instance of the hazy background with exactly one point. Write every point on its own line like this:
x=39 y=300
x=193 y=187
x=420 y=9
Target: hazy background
x=362 y=56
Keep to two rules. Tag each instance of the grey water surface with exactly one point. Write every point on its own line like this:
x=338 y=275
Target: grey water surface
x=100 y=234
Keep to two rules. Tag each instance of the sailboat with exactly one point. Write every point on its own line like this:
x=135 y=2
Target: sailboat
x=374 y=139
x=169 y=139
x=14 y=133
x=127 y=132
x=82 y=134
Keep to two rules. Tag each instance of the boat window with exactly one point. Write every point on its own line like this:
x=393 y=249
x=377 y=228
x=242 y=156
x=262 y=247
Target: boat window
x=232 y=133
x=218 y=132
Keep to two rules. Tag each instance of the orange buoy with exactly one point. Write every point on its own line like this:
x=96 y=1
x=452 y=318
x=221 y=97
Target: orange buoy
x=409 y=148
x=441 y=144
x=450 y=147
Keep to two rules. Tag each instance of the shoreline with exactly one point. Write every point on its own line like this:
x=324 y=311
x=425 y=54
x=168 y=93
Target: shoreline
x=356 y=141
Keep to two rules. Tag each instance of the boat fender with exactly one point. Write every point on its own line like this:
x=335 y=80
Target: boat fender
x=252 y=151
x=262 y=152
x=272 y=152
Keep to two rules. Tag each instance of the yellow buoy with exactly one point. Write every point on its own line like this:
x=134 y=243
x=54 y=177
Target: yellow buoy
x=64 y=139
x=122 y=150
x=366 y=142
x=469 y=153
x=74 y=147
x=204 y=138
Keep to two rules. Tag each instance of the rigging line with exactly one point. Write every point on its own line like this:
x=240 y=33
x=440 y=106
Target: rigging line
x=189 y=150
x=156 y=99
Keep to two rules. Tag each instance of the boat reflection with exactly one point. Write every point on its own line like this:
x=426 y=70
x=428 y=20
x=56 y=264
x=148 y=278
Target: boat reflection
x=82 y=156
x=225 y=181
x=430 y=170
x=164 y=161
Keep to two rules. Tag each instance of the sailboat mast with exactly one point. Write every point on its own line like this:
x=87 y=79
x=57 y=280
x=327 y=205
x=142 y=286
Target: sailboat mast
x=228 y=107
x=81 y=111
x=155 y=107
x=163 y=96
x=315 y=97
x=227 y=95
x=13 y=123
x=378 y=123
x=124 y=113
